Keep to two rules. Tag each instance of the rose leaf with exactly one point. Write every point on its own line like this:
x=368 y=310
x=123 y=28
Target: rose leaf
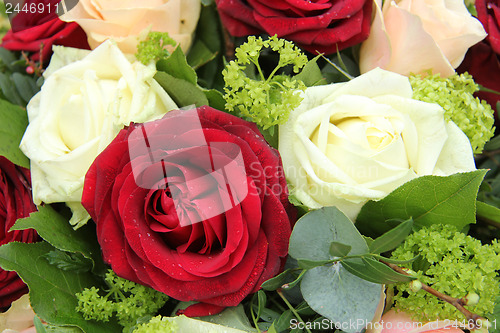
x=428 y=200
x=52 y=290
x=56 y=230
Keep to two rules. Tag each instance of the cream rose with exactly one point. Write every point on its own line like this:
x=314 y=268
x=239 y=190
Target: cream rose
x=18 y=318
x=400 y=322
x=79 y=110
x=414 y=36
x=351 y=142
x=128 y=21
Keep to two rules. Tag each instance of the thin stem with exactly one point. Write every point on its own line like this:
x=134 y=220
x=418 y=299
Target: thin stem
x=256 y=63
x=273 y=72
x=458 y=303
x=347 y=75
x=295 y=313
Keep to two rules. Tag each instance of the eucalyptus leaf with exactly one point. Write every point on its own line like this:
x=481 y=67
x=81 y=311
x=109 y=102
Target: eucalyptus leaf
x=392 y=238
x=314 y=232
x=428 y=200
x=52 y=290
x=308 y=264
x=343 y=298
x=13 y=123
x=374 y=271
x=339 y=250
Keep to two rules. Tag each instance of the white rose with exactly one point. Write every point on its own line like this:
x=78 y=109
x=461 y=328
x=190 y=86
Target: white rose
x=414 y=36
x=79 y=110
x=351 y=142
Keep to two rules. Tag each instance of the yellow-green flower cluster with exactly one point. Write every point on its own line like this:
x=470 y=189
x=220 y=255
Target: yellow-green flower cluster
x=452 y=263
x=154 y=47
x=127 y=300
x=265 y=101
x=157 y=324
x=455 y=94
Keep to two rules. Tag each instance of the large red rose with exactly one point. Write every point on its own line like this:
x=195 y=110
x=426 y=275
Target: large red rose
x=33 y=29
x=318 y=26
x=194 y=205
x=488 y=12
x=15 y=202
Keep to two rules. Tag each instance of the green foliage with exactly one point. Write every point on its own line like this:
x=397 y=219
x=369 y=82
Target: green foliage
x=454 y=264
x=126 y=300
x=455 y=94
x=354 y=298
x=55 y=229
x=16 y=86
x=157 y=324
x=13 y=122
x=154 y=48
x=52 y=290
x=428 y=200
x=267 y=102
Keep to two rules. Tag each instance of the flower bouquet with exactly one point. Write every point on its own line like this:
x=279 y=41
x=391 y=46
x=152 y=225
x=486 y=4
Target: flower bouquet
x=249 y=166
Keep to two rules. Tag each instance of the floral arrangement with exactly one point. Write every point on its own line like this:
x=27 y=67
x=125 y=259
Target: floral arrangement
x=249 y=166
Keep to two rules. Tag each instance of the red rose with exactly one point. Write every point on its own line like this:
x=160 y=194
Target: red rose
x=484 y=65
x=324 y=26
x=193 y=205
x=488 y=12
x=15 y=203
x=31 y=30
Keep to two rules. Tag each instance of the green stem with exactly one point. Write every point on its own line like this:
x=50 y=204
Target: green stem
x=483 y=88
x=347 y=75
x=256 y=63
x=273 y=72
x=295 y=313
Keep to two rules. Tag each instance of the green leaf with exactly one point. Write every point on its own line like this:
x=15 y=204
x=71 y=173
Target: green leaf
x=208 y=38
x=314 y=232
x=488 y=211
x=13 y=123
x=494 y=317
x=374 y=271
x=52 y=290
x=311 y=74
x=392 y=238
x=176 y=65
x=308 y=264
x=25 y=86
x=283 y=322
x=277 y=281
x=294 y=282
x=69 y=261
x=9 y=90
x=38 y=325
x=183 y=92
x=428 y=200
x=339 y=250
x=56 y=230
x=234 y=317
x=394 y=261
x=272 y=329
x=215 y=99
x=340 y=296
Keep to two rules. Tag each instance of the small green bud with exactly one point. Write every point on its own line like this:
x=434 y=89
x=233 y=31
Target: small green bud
x=415 y=285
x=471 y=299
x=409 y=271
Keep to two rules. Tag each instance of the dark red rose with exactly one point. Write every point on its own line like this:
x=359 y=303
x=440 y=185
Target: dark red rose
x=317 y=26
x=15 y=203
x=488 y=12
x=484 y=65
x=194 y=205
x=31 y=30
